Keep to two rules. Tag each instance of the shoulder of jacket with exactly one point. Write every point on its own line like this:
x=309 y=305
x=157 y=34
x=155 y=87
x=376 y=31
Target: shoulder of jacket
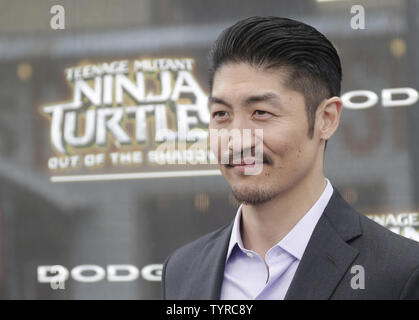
x=181 y=262
x=199 y=244
x=390 y=243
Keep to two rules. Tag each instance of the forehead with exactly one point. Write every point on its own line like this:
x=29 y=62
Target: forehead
x=236 y=81
x=243 y=76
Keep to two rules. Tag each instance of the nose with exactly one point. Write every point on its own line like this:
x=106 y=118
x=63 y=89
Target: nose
x=238 y=140
x=241 y=135
x=241 y=139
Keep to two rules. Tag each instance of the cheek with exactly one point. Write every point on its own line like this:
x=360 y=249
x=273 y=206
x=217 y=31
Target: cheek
x=286 y=148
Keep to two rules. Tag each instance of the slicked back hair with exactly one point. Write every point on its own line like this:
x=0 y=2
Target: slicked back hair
x=310 y=61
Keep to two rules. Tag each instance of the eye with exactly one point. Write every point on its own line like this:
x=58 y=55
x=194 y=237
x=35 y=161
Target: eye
x=220 y=115
x=262 y=114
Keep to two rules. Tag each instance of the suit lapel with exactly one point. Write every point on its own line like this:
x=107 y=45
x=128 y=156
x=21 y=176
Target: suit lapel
x=209 y=267
x=327 y=256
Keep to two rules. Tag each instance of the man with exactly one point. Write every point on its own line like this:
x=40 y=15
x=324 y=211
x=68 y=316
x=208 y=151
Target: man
x=294 y=236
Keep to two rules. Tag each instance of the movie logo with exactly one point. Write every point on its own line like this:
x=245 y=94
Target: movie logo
x=123 y=114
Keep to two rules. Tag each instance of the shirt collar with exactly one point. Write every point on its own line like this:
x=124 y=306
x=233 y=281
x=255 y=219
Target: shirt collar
x=295 y=242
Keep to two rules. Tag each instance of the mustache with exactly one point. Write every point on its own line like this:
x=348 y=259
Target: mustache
x=265 y=157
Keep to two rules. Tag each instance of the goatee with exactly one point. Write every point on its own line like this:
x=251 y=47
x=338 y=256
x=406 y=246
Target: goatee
x=252 y=196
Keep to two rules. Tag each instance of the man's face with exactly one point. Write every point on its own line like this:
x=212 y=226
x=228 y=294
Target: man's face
x=244 y=97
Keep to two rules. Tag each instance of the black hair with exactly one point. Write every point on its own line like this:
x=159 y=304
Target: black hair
x=309 y=59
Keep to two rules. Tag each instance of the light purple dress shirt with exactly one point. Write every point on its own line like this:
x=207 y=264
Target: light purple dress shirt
x=246 y=276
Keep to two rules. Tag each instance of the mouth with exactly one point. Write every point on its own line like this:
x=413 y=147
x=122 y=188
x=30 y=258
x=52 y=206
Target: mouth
x=248 y=163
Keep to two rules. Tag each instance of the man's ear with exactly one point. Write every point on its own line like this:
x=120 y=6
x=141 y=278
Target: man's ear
x=328 y=117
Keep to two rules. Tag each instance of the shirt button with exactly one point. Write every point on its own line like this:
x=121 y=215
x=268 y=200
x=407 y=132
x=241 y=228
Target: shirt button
x=249 y=254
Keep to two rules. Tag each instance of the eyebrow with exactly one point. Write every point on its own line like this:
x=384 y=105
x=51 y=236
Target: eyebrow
x=264 y=97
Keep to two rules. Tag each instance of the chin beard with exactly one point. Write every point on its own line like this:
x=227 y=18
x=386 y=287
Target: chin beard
x=252 y=196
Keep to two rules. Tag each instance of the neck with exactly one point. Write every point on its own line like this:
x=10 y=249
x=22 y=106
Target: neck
x=264 y=225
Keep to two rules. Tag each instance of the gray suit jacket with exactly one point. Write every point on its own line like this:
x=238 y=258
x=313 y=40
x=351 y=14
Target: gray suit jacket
x=341 y=239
